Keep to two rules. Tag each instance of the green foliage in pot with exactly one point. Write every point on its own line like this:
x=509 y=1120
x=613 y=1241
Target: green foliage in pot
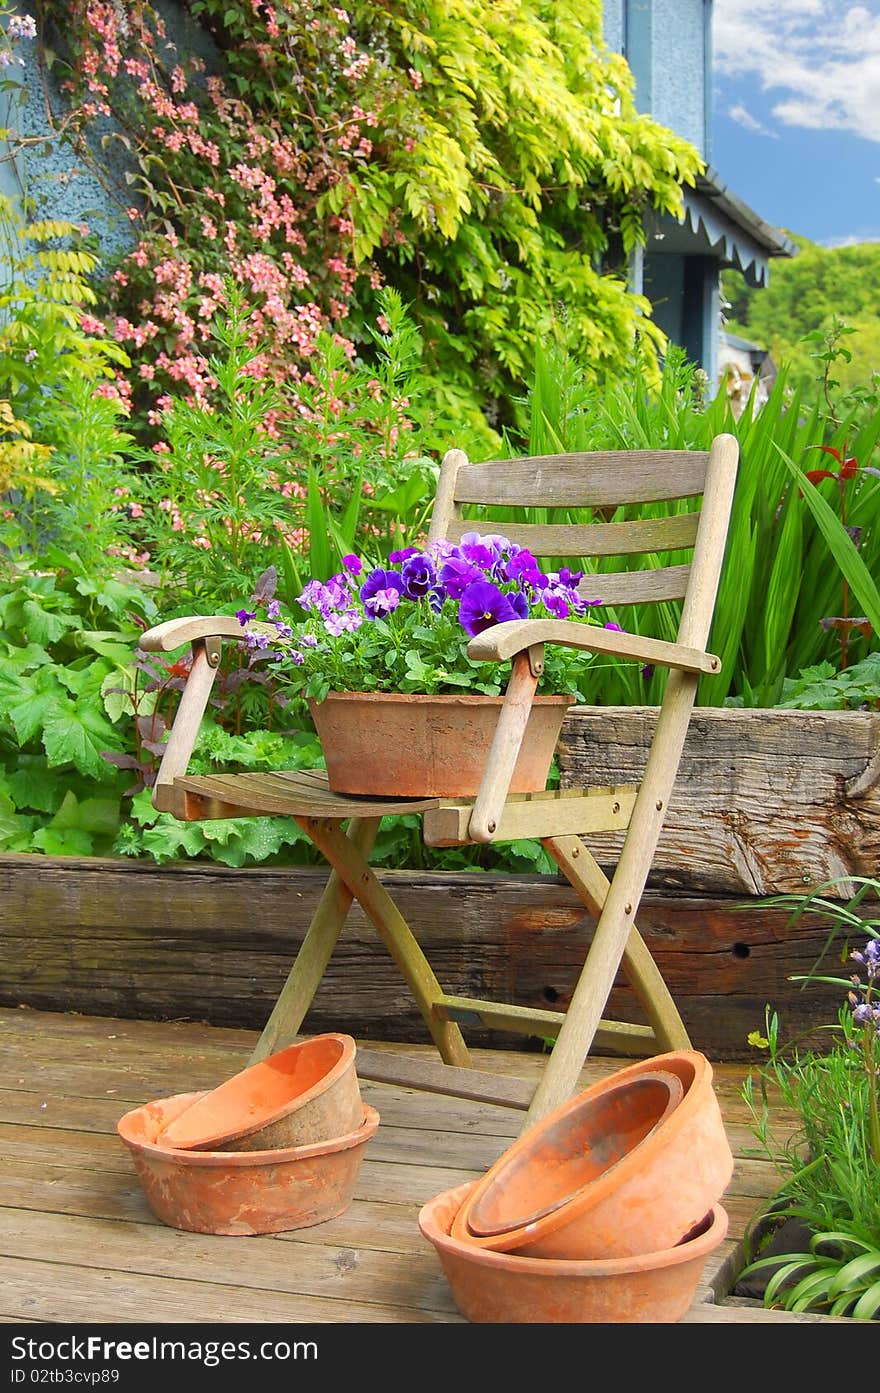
x=830 y=1163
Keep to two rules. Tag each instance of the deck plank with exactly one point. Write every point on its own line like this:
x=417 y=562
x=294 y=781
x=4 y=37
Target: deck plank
x=77 y=1236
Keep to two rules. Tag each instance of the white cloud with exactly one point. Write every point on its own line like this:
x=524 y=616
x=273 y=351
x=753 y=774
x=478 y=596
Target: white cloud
x=743 y=117
x=821 y=56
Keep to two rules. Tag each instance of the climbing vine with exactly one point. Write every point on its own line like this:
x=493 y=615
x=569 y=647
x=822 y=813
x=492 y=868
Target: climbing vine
x=483 y=156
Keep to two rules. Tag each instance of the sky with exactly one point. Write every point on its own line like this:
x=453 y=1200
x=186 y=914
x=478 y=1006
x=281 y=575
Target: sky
x=796 y=119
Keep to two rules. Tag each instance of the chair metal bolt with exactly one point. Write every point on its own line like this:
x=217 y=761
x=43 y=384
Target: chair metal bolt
x=627 y=909
x=615 y=807
x=659 y=804
x=491 y=826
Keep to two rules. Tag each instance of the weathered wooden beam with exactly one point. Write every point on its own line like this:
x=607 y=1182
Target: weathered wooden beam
x=201 y=942
x=765 y=802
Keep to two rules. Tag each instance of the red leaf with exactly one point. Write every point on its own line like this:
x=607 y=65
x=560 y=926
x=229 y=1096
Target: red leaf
x=830 y=450
x=814 y=475
x=849 y=468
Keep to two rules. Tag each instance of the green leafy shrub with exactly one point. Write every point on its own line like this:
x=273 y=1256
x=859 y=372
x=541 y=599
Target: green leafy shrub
x=68 y=640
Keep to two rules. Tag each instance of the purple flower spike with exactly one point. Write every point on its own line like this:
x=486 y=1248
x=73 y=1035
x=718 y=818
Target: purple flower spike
x=244 y=616
x=483 y=605
x=616 y=627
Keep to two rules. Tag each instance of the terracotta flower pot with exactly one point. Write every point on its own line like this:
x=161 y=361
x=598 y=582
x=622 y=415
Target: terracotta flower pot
x=396 y=745
x=506 y=1288
x=667 y=1165
x=242 y=1192
x=308 y=1092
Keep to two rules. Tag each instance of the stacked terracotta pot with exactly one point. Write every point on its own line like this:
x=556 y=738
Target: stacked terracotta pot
x=605 y=1210
x=278 y=1146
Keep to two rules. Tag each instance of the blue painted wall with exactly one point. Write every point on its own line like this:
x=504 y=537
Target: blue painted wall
x=667 y=44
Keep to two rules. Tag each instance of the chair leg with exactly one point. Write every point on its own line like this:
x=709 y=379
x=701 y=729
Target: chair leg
x=610 y=942
x=393 y=929
x=315 y=951
x=587 y=878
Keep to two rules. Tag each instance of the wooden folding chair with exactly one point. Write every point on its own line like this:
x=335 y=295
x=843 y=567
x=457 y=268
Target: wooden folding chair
x=604 y=486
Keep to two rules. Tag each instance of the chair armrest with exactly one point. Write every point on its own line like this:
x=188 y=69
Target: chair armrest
x=173 y=633
x=503 y=641
x=199 y=631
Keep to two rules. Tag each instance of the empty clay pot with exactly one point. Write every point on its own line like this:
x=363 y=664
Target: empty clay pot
x=242 y=1192
x=560 y=1159
x=306 y=1093
x=505 y=1288
x=618 y=1170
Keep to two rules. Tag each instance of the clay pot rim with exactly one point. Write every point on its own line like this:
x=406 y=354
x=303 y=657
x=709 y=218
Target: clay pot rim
x=447 y=698
x=348 y=1053
x=598 y=1190
x=527 y=1224
x=209 y=1159
x=573 y=1268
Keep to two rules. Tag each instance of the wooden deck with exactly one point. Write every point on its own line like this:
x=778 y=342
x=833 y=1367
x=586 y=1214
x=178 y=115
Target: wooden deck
x=78 y=1243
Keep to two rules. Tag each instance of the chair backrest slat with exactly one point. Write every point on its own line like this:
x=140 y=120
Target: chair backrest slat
x=590 y=488
x=673 y=533
x=595 y=480
x=636 y=587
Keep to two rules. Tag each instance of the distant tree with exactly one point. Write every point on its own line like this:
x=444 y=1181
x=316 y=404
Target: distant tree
x=802 y=296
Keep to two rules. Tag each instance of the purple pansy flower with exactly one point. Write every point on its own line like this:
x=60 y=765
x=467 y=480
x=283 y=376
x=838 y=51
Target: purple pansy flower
x=395 y=557
x=419 y=576
x=480 y=551
x=382 y=602
x=568 y=577
x=457 y=574
x=519 y=603
x=616 y=627
x=483 y=605
x=353 y=564
x=342 y=621
x=379 y=579
x=556 y=603
x=521 y=565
